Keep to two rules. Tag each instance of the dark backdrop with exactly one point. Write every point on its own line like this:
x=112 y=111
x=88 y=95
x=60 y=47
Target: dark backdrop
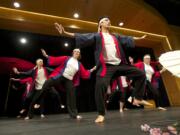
x=54 y=45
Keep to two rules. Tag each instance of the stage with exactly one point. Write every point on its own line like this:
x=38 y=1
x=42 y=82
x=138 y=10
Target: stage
x=127 y=123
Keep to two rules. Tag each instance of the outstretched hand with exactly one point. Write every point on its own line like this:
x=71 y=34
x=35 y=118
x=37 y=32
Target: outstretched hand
x=15 y=70
x=138 y=38
x=14 y=79
x=61 y=30
x=163 y=70
x=59 y=27
x=144 y=36
x=93 y=69
x=44 y=53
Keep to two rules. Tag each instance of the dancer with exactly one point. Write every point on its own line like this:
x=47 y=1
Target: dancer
x=68 y=75
x=39 y=75
x=28 y=83
x=151 y=78
x=110 y=61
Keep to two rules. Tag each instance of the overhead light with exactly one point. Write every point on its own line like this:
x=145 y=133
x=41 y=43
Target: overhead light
x=23 y=40
x=20 y=19
x=16 y=4
x=76 y=15
x=66 y=44
x=73 y=26
x=121 y=24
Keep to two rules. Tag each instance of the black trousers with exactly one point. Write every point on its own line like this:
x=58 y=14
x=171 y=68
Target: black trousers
x=113 y=72
x=27 y=100
x=35 y=97
x=154 y=91
x=70 y=91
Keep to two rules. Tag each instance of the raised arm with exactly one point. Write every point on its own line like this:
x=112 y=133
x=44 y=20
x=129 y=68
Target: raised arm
x=61 y=30
x=53 y=61
x=44 y=53
x=139 y=38
x=128 y=41
x=81 y=40
x=28 y=73
x=92 y=69
x=15 y=79
x=15 y=70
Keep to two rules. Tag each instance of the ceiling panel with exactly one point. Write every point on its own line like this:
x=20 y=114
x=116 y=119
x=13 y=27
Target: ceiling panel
x=134 y=14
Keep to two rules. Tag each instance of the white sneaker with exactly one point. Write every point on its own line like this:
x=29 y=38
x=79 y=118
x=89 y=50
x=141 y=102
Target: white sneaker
x=19 y=116
x=99 y=119
x=26 y=118
x=36 y=106
x=42 y=116
x=130 y=99
x=78 y=117
x=161 y=108
x=62 y=106
x=22 y=111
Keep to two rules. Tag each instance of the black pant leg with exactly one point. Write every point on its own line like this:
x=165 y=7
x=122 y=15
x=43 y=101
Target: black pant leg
x=138 y=77
x=31 y=107
x=155 y=93
x=47 y=85
x=71 y=98
x=123 y=94
x=101 y=88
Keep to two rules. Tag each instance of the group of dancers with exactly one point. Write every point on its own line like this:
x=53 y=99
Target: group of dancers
x=110 y=64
